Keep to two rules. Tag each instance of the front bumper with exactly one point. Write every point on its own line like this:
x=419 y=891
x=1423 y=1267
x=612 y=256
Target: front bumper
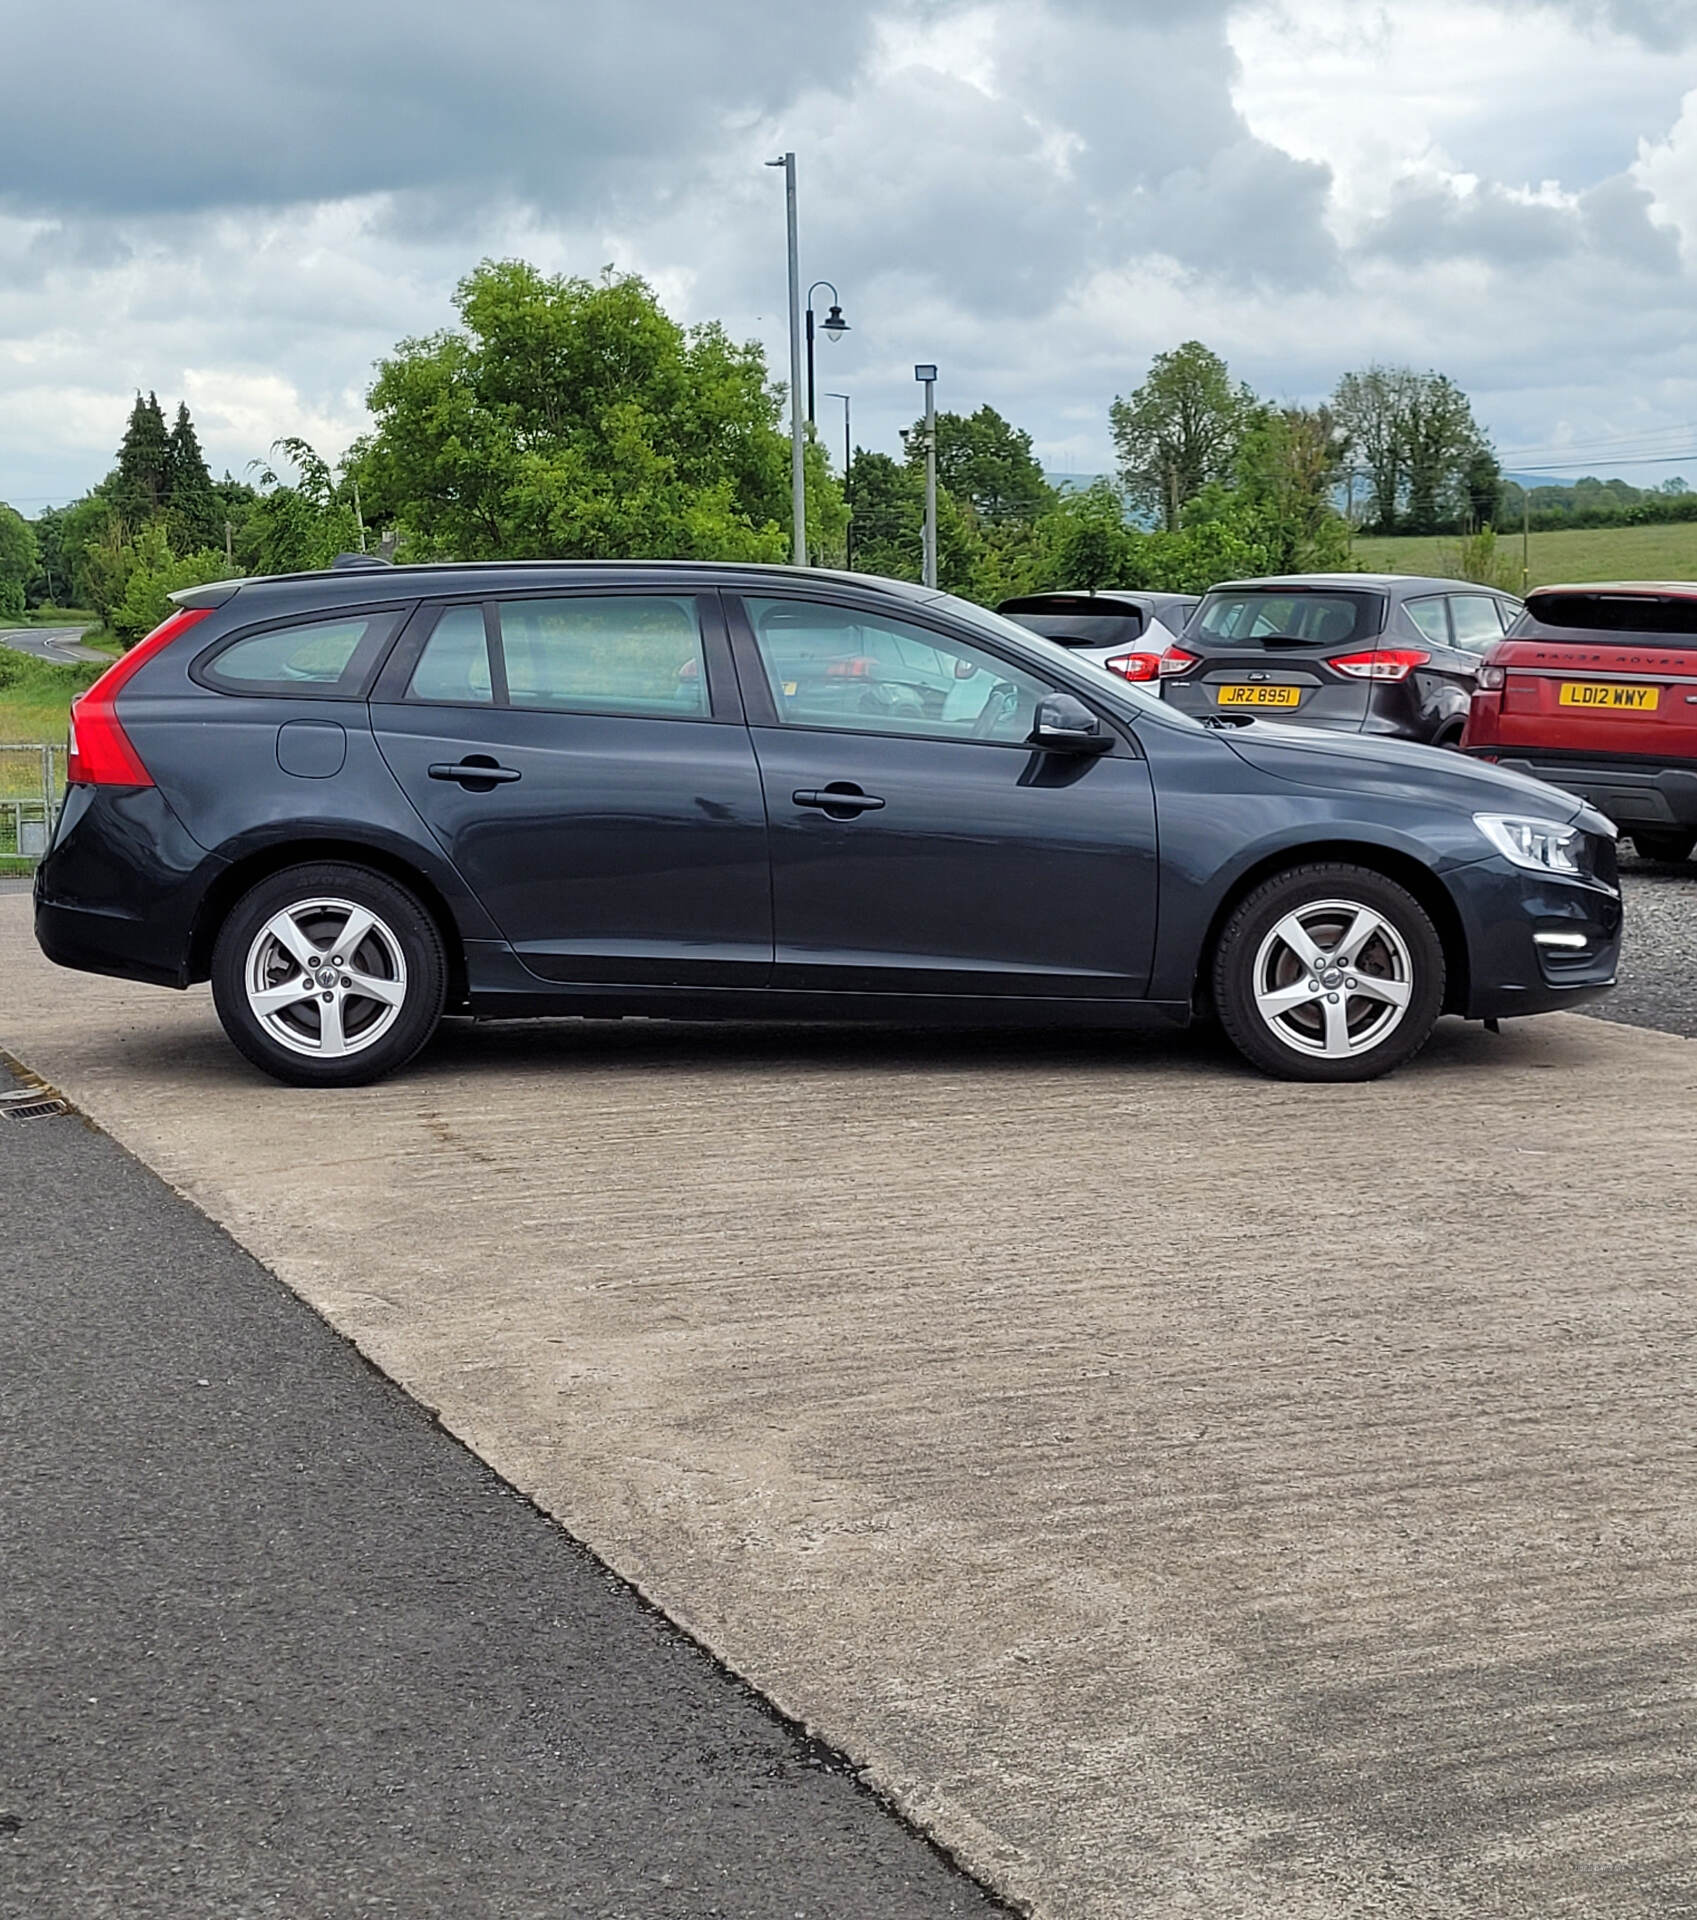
x=1512 y=970
x=1631 y=793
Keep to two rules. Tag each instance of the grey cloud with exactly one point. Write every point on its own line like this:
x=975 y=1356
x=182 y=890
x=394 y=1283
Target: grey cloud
x=185 y=104
x=1615 y=220
x=1665 y=25
x=1433 y=222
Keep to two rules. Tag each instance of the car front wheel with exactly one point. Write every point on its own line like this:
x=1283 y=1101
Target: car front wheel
x=328 y=975
x=1329 y=972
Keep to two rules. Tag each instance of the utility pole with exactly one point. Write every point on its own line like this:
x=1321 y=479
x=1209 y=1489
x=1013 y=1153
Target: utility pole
x=359 y=517
x=927 y=376
x=798 y=457
x=1525 y=539
x=229 y=553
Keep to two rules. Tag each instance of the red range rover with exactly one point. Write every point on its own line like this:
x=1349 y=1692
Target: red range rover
x=1594 y=688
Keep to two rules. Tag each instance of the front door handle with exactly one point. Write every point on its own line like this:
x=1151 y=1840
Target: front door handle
x=475 y=771
x=841 y=800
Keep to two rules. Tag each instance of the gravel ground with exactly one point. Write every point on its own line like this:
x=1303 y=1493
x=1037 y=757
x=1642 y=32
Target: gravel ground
x=1658 y=967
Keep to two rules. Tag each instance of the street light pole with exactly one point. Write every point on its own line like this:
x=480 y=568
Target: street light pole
x=798 y=458
x=927 y=375
x=848 y=477
x=835 y=327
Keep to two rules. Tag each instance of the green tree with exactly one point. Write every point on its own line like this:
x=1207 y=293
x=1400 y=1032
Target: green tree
x=143 y=478
x=1180 y=430
x=1085 y=541
x=294 y=527
x=52 y=582
x=986 y=463
x=153 y=575
x=574 y=419
x=1483 y=481
x=889 y=515
x=197 y=519
x=1370 y=407
x=19 y=558
x=1442 y=441
x=1289 y=467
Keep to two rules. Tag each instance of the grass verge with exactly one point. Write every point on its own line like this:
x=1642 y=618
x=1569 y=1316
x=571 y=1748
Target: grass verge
x=1587 y=553
x=35 y=700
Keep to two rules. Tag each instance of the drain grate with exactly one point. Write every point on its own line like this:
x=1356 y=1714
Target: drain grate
x=32 y=1103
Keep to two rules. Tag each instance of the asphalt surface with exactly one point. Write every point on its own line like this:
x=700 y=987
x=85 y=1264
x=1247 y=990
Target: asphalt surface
x=274 y=1644
x=59 y=646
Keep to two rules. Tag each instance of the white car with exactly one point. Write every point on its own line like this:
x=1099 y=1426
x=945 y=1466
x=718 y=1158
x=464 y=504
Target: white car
x=1125 y=632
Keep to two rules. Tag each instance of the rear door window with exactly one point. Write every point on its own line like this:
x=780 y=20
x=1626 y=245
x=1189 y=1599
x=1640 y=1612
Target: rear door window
x=638 y=654
x=308 y=660
x=1478 y=620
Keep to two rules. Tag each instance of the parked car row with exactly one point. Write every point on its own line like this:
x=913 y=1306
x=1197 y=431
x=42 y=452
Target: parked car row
x=1591 y=688
x=355 y=800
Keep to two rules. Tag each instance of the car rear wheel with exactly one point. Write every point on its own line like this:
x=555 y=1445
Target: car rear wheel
x=329 y=975
x=1329 y=972
x=1668 y=844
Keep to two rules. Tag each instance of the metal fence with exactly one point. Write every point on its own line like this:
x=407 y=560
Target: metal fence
x=32 y=785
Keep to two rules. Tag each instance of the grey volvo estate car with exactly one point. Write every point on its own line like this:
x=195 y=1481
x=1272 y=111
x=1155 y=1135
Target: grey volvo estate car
x=1387 y=654
x=357 y=800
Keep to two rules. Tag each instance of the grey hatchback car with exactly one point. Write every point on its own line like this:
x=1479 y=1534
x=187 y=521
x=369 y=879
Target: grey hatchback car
x=1389 y=654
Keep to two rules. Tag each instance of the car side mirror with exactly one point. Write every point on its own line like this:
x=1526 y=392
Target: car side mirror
x=1066 y=725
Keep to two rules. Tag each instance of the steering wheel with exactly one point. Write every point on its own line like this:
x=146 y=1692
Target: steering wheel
x=1004 y=696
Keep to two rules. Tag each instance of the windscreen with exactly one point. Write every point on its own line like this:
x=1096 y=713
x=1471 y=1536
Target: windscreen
x=1612 y=619
x=1259 y=616
x=1084 y=629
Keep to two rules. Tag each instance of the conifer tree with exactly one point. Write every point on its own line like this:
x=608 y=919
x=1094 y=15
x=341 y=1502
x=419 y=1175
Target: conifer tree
x=139 y=492
x=197 y=519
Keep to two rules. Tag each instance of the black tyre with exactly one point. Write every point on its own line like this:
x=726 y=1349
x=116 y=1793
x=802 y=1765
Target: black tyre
x=1665 y=843
x=329 y=975
x=1329 y=972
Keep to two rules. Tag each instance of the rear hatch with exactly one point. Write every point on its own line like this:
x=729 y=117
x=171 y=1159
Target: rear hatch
x=1597 y=673
x=1274 y=650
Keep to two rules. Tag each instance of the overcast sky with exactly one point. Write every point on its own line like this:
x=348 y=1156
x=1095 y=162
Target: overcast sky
x=243 y=205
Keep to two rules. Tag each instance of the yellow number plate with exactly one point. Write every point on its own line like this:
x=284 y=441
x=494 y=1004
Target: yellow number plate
x=1259 y=696
x=1604 y=693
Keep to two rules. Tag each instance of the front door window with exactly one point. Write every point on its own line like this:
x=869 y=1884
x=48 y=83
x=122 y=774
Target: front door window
x=837 y=667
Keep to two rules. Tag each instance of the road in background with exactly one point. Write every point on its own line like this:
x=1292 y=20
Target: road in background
x=275 y=1644
x=58 y=646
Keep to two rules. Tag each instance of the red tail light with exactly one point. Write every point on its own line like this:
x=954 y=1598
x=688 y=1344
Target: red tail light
x=1380 y=663
x=1134 y=666
x=100 y=751
x=859 y=666
x=1176 y=660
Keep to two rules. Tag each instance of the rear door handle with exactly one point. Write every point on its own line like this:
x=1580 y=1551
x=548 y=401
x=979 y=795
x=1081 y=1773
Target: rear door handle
x=844 y=800
x=474 y=772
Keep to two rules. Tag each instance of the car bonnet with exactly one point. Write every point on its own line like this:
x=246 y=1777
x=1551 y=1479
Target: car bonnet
x=1353 y=762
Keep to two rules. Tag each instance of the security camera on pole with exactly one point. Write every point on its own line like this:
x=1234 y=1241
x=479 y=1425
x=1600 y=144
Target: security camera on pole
x=927 y=375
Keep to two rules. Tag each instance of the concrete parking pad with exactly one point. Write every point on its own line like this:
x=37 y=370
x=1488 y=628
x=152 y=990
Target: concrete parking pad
x=1186 y=1494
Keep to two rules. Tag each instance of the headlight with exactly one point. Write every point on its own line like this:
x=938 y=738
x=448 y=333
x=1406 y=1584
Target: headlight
x=1545 y=846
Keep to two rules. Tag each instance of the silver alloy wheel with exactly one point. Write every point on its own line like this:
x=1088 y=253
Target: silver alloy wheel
x=1333 y=978
x=325 y=978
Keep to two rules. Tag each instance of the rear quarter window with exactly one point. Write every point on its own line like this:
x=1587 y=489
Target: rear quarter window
x=324 y=659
